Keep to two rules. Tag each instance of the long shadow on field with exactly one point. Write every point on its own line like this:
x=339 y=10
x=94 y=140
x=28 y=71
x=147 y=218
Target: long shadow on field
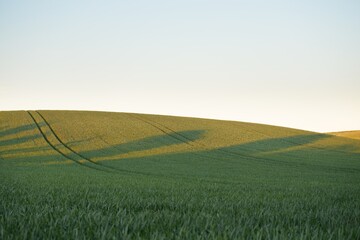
x=18 y=140
x=270 y=155
x=17 y=130
x=295 y=149
x=139 y=145
x=275 y=144
x=146 y=144
x=12 y=144
x=21 y=150
x=9 y=136
x=253 y=150
x=267 y=154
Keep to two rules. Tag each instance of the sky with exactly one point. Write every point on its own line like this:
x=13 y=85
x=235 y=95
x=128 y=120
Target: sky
x=286 y=63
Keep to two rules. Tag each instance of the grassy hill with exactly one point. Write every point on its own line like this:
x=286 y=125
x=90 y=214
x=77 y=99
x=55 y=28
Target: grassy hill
x=348 y=134
x=74 y=174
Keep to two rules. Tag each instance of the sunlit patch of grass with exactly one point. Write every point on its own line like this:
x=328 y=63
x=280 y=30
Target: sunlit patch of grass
x=348 y=134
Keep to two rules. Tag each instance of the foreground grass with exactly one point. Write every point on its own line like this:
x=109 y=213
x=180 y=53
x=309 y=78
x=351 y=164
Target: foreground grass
x=266 y=183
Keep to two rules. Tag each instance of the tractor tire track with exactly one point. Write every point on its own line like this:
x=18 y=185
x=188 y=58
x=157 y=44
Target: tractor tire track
x=48 y=142
x=70 y=149
x=62 y=143
x=107 y=168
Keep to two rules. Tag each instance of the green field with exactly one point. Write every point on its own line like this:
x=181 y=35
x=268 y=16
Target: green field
x=100 y=175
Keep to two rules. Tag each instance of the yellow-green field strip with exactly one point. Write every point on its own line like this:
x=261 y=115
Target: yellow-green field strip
x=250 y=130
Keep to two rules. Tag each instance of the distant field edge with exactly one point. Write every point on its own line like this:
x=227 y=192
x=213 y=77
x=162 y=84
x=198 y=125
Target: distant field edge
x=355 y=134
x=162 y=115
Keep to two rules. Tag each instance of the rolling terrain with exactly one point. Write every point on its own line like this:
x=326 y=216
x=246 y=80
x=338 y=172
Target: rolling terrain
x=347 y=134
x=81 y=174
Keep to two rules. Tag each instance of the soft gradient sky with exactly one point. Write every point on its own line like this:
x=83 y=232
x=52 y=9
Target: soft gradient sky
x=288 y=63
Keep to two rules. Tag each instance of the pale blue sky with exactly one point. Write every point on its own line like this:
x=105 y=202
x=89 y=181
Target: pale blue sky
x=288 y=63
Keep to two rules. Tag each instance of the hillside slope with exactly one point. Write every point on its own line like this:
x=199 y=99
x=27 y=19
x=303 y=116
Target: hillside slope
x=347 y=134
x=104 y=140
x=81 y=174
